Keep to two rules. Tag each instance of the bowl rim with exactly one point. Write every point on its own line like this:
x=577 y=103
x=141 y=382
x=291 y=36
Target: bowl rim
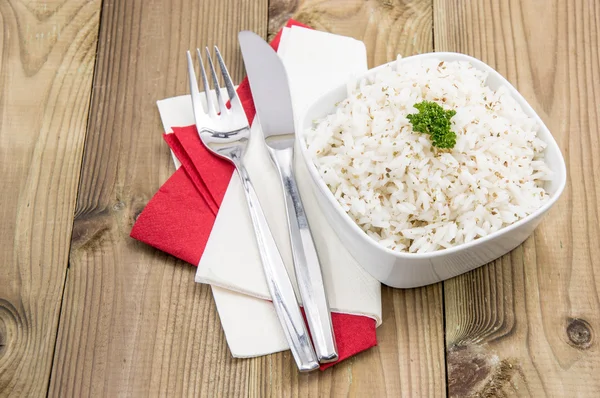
x=527 y=108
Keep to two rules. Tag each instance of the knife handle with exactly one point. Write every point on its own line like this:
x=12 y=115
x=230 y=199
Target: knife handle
x=278 y=281
x=306 y=261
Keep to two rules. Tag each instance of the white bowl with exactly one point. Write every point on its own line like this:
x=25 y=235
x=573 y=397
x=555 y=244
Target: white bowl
x=406 y=270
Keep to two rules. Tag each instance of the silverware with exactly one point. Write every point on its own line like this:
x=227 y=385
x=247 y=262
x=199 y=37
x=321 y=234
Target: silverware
x=271 y=94
x=226 y=133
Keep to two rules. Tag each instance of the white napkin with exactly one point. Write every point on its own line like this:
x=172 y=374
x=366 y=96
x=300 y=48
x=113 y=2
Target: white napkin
x=315 y=62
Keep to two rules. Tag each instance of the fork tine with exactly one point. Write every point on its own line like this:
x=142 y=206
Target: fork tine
x=236 y=105
x=209 y=101
x=220 y=100
x=194 y=92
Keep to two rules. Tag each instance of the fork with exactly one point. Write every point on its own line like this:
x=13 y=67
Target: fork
x=226 y=133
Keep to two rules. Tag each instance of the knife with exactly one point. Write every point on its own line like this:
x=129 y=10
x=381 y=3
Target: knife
x=271 y=94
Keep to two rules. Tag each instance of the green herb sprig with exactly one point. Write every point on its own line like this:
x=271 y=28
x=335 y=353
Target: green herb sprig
x=434 y=120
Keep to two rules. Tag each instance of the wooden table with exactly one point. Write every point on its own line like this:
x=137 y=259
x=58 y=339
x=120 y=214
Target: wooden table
x=86 y=310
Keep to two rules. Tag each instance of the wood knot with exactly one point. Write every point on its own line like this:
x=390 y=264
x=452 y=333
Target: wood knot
x=465 y=369
x=11 y=326
x=3 y=338
x=90 y=230
x=118 y=206
x=579 y=332
x=137 y=206
x=473 y=371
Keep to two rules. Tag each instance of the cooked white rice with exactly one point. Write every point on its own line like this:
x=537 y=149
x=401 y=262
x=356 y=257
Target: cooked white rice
x=410 y=196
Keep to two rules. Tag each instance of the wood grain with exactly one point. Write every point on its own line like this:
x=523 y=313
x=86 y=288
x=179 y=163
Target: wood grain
x=133 y=321
x=387 y=27
x=47 y=54
x=527 y=324
x=409 y=360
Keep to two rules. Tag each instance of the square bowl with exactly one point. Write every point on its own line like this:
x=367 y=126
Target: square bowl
x=407 y=270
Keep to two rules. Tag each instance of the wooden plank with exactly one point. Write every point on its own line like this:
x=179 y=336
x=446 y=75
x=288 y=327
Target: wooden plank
x=47 y=54
x=387 y=27
x=133 y=320
x=526 y=324
x=409 y=360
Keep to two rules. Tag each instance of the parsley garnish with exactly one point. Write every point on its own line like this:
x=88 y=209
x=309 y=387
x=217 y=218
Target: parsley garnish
x=435 y=121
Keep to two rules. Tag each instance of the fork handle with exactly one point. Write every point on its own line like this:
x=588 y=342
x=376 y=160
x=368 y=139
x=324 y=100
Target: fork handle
x=306 y=261
x=278 y=281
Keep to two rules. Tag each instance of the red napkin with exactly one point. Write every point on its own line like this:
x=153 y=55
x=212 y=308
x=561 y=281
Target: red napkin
x=180 y=216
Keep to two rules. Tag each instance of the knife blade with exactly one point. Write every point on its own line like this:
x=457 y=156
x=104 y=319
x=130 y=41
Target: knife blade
x=272 y=99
